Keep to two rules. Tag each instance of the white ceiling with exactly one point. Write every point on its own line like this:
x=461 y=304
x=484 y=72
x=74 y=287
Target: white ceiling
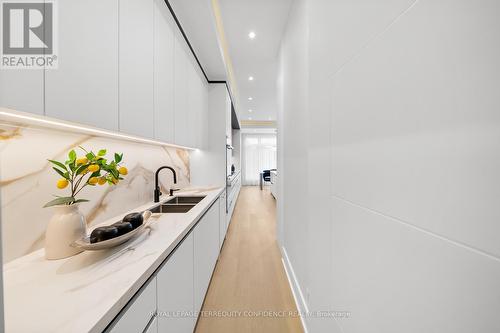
x=257 y=57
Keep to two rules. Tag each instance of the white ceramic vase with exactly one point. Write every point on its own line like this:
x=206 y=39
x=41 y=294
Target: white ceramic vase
x=66 y=226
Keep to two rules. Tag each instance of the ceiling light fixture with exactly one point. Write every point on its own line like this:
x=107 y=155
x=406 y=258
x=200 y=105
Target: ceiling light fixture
x=250 y=98
x=251 y=35
x=250 y=78
x=249 y=118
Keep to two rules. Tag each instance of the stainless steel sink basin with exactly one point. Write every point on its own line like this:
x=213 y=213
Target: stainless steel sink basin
x=176 y=208
x=178 y=205
x=185 y=200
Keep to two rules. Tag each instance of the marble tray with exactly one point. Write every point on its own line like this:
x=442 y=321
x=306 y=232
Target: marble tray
x=85 y=244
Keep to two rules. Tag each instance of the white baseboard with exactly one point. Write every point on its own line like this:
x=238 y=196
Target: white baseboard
x=295 y=286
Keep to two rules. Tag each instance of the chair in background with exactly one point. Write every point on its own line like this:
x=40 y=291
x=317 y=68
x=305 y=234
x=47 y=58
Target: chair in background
x=265 y=177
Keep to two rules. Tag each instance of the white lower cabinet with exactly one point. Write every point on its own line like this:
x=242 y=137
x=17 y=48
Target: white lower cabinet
x=153 y=326
x=138 y=313
x=206 y=251
x=222 y=219
x=179 y=287
x=175 y=290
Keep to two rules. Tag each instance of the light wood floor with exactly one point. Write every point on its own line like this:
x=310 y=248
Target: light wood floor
x=249 y=275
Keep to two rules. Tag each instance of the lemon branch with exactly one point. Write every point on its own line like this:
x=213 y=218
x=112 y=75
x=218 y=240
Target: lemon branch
x=74 y=172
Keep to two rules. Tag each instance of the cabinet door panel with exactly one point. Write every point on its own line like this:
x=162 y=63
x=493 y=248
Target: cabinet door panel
x=136 y=316
x=136 y=67
x=193 y=95
x=206 y=250
x=22 y=90
x=84 y=88
x=175 y=290
x=163 y=73
x=181 y=90
x=222 y=219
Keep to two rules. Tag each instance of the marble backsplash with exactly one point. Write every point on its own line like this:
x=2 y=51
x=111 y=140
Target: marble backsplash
x=27 y=180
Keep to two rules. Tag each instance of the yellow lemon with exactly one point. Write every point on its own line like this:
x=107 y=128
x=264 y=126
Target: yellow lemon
x=81 y=161
x=93 y=180
x=123 y=171
x=62 y=183
x=102 y=181
x=93 y=168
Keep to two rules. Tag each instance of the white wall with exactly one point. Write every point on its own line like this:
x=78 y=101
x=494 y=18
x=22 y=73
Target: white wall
x=403 y=124
x=292 y=144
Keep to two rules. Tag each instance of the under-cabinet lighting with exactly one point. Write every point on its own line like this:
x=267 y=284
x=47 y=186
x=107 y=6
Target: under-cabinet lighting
x=23 y=118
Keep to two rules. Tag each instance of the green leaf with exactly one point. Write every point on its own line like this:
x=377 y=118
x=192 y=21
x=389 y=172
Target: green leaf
x=80 y=169
x=90 y=156
x=118 y=157
x=63 y=174
x=60 y=201
x=101 y=152
x=72 y=155
x=59 y=164
x=115 y=173
x=81 y=200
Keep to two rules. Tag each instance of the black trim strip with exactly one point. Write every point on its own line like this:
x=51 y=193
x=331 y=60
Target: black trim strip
x=194 y=53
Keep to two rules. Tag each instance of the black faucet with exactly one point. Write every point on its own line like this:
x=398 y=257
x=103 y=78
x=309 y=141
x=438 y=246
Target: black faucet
x=157 y=187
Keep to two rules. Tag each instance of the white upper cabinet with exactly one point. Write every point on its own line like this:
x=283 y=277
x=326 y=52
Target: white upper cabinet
x=181 y=72
x=84 y=88
x=164 y=125
x=136 y=67
x=123 y=65
x=22 y=90
x=193 y=104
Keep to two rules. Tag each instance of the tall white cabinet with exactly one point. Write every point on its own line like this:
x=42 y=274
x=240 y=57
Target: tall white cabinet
x=84 y=88
x=164 y=125
x=124 y=66
x=136 y=67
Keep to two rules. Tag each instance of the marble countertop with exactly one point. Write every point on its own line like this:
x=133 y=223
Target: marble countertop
x=85 y=292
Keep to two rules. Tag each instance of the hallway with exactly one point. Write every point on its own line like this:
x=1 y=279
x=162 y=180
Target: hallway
x=249 y=276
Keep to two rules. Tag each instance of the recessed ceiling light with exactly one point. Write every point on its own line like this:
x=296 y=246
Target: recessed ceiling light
x=250 y=110
x=251 y=35
x=250 y=98
x=249 y=118
x=250 y=78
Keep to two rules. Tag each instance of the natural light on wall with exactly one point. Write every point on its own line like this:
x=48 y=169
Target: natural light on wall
x=259 y=154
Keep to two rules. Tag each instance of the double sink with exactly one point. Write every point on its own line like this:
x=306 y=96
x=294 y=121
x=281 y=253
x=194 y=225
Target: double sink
x=177 y=204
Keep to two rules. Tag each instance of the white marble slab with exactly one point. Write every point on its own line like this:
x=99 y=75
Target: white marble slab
x=27 y=180
x=85 y=292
